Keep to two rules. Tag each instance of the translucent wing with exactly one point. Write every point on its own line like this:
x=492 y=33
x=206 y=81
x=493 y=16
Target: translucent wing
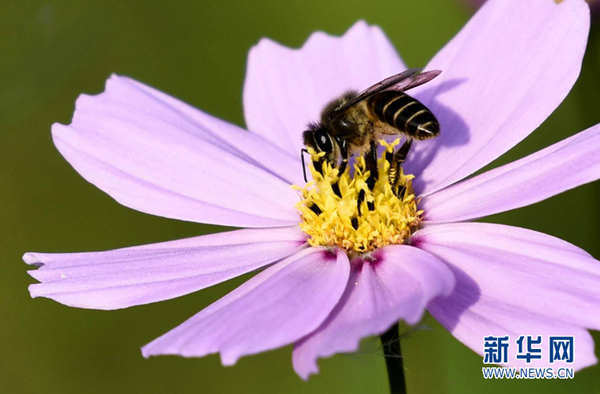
x=406 y=80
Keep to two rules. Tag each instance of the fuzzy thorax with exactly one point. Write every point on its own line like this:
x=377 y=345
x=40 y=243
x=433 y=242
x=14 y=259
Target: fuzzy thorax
x=333 y=220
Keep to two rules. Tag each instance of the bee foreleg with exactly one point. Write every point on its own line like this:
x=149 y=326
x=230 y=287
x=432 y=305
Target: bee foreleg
x=344 y=154
x=318 y=165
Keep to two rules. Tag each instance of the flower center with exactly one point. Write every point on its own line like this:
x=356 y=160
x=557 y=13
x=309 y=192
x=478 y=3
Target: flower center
x=333 y=216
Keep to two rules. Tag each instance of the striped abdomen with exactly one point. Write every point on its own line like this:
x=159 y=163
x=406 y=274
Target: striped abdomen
x=404 y=113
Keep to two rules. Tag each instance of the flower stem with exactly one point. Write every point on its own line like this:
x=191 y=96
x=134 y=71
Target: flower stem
x=390 y=340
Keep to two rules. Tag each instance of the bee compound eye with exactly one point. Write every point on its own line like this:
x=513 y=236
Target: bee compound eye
x=323 y=141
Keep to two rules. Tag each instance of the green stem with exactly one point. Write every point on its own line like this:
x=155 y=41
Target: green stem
x=393 y=360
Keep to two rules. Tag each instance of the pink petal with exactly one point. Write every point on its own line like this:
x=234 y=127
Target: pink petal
x=560 y=167
x=143 y=274
x=512 y=281
x=398 y=285
x=275 y=308
x=158 y=155
x=503 y=75
x=285 y=88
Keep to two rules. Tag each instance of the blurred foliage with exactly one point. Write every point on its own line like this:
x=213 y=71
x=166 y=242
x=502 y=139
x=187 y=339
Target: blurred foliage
x=51 y=51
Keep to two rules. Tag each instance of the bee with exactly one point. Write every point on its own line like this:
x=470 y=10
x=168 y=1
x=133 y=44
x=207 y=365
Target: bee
x=351 y=124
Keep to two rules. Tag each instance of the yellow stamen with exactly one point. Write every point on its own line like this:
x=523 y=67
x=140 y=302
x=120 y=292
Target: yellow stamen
x=332 y=220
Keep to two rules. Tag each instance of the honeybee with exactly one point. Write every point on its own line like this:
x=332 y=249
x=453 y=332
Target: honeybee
x=351 y=123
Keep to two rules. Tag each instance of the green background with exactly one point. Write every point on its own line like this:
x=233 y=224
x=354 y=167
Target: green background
x=51 y=51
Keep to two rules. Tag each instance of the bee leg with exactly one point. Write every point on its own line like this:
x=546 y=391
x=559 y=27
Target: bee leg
x=359 y=201
x=402 y=153
x=342 y=168
x=344 y=154
x=396 y=164
x=315 y=208
x=371 y=165
x=318 y=164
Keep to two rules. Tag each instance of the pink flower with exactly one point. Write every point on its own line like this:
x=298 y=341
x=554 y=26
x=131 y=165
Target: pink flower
x=503 y=74
x=594 y=4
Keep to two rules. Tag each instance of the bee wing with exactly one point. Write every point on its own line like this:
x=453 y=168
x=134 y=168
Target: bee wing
x=406 y=80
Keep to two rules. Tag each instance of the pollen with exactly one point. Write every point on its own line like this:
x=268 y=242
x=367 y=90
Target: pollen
x=333 y=216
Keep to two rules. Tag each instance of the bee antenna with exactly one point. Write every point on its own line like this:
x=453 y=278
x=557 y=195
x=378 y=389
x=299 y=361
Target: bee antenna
x=302 y=152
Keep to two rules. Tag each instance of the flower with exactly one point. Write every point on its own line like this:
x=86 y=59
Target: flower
x=594 y=4
x=503 y=74
x=340 y=217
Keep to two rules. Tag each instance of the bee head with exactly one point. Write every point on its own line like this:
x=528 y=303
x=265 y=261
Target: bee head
x=320 y=140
